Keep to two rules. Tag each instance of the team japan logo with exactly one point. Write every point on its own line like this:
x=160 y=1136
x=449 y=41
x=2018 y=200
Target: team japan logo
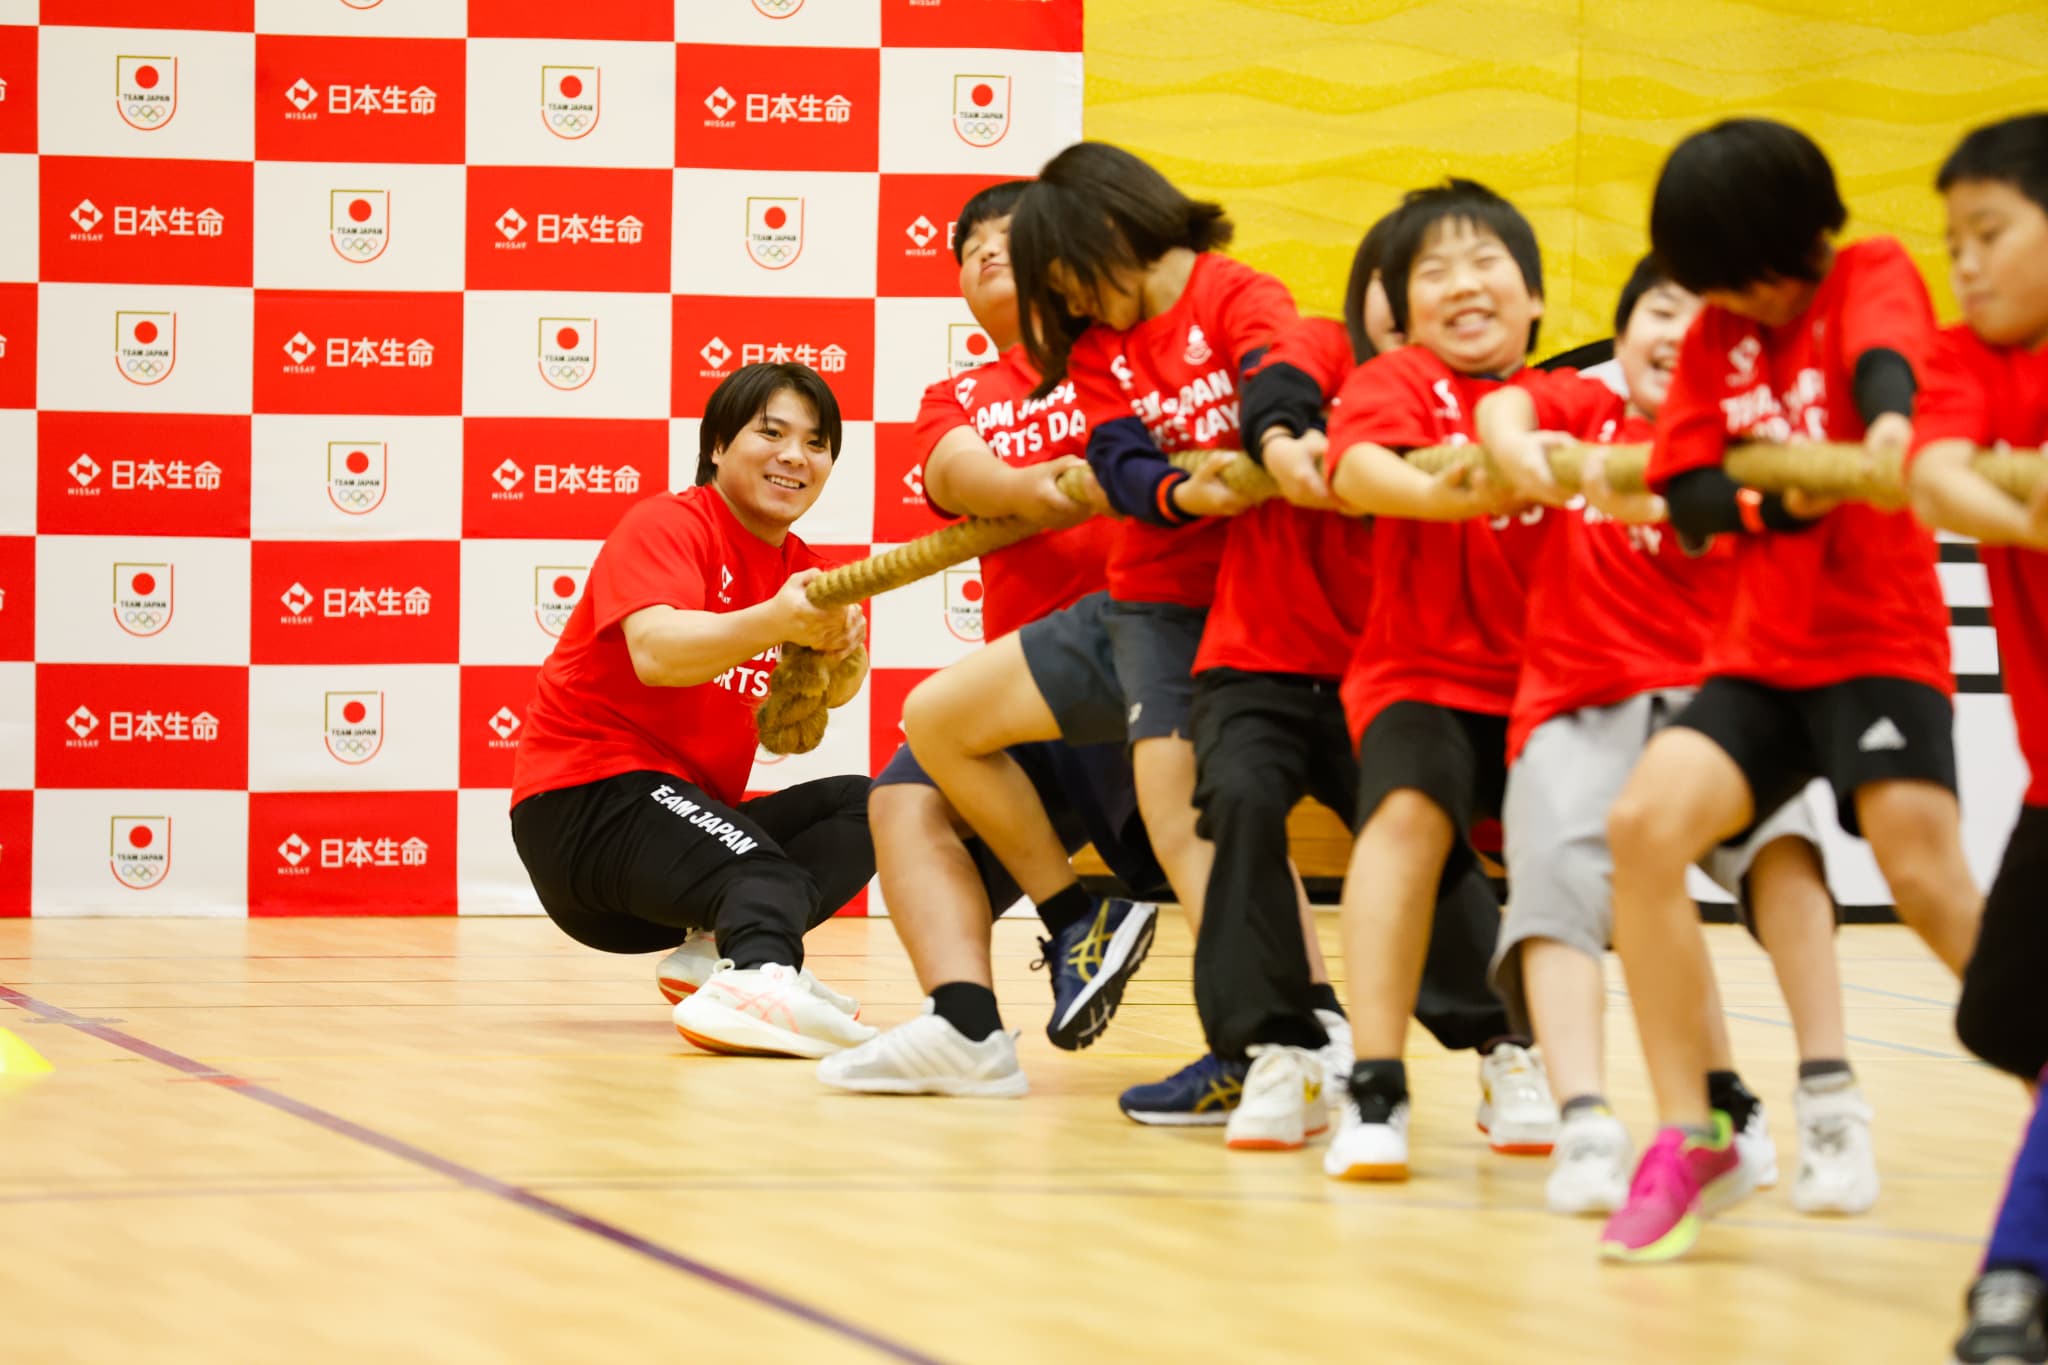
x=775 y=232
x=568 y=100
x=356 y=475
x=139 y=850
x=568 y=352
x=981 y=109
x=142 y=598
x=967 y=347
x=557 y=588
x=964 y=592
x=355 y=725
x=146 y=91
x=359 y=224
x=778 y=9
x=145 y=345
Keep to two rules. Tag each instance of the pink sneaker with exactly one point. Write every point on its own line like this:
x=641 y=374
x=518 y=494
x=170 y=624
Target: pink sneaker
x=1679 y=1181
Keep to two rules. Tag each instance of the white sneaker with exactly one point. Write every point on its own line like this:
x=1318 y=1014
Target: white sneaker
x=1515 y=1109
x=765 y=1011
x=1282 y=1106
x=1368 y=1150
x=688 y=967
x=928 y=1056
x=1590 y=1165
x=845 y=1004
x=1837 y=1165
x=1759 y=1154
x=1336 y=1055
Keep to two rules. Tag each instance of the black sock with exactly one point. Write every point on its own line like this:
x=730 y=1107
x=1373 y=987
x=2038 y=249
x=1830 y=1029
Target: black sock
x=1521 y=1040
x=1727 y=1093
x=1577 y=1103
x=1378 y=1085
x=1325 y=997
x=967 y=1007
x=1068 y=908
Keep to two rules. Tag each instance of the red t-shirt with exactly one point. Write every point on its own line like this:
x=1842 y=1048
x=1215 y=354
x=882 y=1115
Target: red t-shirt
x=1445 y=621
x=1615 y=610
x=1998 y=396
x=1856 y=595
x=1053 y=569
x=1178 y=374
x=593 y=718
x=1290 y=598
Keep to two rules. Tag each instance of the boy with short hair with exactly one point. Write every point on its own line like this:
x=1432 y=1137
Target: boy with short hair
x=1987 y=385
x=1428 y=690
x=1619 y=617
x=1833 y=659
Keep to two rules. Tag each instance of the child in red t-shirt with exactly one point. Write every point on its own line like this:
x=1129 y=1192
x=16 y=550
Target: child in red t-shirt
x=1833 y=658
x=626 y=800
x=1619 y=617
x=991 y=449
x=1125 y=299
x=1427 y=692
x=1987 y=385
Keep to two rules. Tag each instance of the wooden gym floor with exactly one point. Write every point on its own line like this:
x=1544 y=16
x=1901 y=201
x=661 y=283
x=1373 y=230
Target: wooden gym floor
x=472 y=1140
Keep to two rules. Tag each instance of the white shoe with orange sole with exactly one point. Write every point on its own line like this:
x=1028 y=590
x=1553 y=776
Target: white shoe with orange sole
x=1282 y=1105
x=768 y=1011
x=688 y=967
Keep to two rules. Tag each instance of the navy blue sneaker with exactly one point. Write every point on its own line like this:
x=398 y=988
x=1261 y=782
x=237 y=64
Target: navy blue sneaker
x=1091 y=960
x=1199 y=1095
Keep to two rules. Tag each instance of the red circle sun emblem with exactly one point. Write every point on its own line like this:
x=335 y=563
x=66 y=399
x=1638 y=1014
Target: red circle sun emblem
x=565 y=586
x=357 y=462
x=359 y=210
x=145 y=332
x=572 y=86
x=146 y=77
x=145 y=584
x=775 y=217
x=141 y=837
x=354 y=712
x=982 y=95
x=567 y=338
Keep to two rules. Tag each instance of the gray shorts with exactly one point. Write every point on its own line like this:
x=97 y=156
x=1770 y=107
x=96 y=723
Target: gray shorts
x=1560 y=872
x=1070 y=659
x=1154 y=645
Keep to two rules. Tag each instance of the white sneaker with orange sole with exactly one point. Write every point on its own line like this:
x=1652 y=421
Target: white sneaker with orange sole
x=688 y=967
x=769 y=1011
x=1282 y=1106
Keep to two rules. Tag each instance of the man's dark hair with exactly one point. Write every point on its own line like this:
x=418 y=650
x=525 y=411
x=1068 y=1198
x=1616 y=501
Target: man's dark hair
x=1646 y=276
x=996 y=201
x=1370 y=253
x=2012 y=152
x=1095 y=209
x=746 y=393
x=1744 y=202
x=1456 y=201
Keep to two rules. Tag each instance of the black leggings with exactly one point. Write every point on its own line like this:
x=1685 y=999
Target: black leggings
x=1262 y=742
x=2001 y=1017
x=632 y=863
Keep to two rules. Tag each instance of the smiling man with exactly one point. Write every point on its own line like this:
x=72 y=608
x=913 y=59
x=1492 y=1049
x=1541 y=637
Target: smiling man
x=626 y=804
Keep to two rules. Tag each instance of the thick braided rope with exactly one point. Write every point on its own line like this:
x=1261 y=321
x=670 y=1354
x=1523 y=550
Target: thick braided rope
x=1825 y=469
x=791 y=718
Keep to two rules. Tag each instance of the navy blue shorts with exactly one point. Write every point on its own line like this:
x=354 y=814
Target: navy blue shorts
x=1091 y=797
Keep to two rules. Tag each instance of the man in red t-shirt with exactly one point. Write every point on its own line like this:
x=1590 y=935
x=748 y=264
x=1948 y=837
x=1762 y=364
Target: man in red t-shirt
x=1987 y=385
x=627 y=786
x=1833 y=658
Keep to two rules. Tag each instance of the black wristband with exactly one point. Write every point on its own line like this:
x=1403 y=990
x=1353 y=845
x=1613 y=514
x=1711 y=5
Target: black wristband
x=1884 y=383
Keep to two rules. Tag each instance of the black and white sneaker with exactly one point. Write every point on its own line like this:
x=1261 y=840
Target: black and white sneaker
x=2006 y=1324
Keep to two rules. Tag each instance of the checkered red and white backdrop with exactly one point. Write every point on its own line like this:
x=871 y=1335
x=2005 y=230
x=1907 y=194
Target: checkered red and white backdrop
x=336 y=334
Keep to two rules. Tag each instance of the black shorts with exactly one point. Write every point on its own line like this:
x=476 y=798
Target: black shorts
x=1069 y=656
x=1851 y=733
x=1090 y=797
x=1154 y=644
x=1458 y=759
x=2000 y=1017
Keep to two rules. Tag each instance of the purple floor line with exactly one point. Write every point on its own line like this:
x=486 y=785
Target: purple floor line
x=474 y=1179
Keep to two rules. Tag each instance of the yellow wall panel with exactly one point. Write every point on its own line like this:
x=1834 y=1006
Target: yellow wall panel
x=1309 y=117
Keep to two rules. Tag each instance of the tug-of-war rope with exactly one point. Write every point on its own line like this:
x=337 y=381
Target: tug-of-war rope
x=806 y=685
